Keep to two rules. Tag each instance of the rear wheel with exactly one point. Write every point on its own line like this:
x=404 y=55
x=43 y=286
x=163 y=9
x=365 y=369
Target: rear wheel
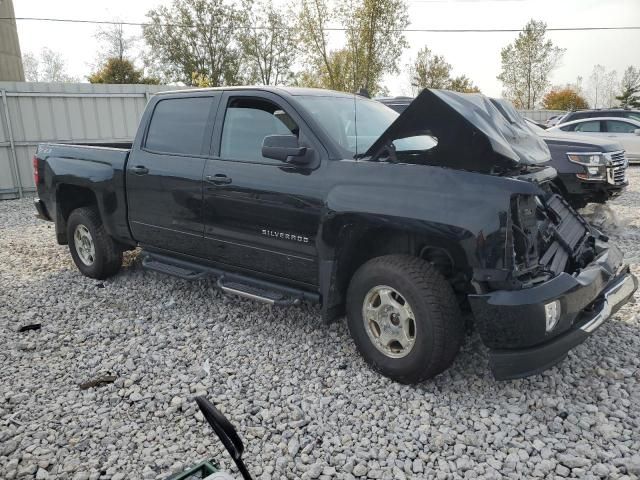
x=404 y=318
x=93 y=251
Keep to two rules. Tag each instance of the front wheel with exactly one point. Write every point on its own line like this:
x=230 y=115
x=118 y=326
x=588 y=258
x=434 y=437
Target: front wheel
x=93 y=251
x=404 y=318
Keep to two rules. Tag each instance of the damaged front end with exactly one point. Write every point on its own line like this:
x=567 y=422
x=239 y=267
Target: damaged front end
x=557 y=278
x=565 y=281
x=547 y=238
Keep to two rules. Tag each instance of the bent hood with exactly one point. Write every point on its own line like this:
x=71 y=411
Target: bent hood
x=472 y=133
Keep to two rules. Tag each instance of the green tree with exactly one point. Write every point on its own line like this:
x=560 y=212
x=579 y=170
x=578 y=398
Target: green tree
x=116 y=70
x=527 y=64
x=462 y=84
x=374 y=39
x=313 y=21
x=269 y=43
x=630 y=86
x=433 y=71
x=430 y=71
x=565 y=98
x=374 y=43
x=335 y=74
x=194 y=38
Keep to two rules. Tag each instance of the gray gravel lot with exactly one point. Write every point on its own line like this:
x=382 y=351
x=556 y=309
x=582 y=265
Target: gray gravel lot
x=303 y=400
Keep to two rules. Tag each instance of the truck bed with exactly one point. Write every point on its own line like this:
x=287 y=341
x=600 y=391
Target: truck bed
x=82 y=169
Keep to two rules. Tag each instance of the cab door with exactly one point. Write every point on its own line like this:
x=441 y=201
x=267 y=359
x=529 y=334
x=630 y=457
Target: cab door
x=261 y=214
x=164 y=173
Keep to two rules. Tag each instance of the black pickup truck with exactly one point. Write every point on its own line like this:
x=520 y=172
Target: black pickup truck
x=399 y=221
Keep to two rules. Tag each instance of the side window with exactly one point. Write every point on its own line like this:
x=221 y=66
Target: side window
x=619 y=127
x=590 y=126
x=178 y=125
x=247 y=122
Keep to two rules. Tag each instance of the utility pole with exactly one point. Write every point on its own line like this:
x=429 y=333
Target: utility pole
x=10 y=58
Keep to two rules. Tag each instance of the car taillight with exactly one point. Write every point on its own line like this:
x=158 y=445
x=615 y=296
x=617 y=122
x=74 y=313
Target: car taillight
x=36 y=174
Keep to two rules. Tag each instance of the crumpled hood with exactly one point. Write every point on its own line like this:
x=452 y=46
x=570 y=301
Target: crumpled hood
x=472 y=133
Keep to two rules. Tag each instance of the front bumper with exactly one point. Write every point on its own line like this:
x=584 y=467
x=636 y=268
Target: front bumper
x=600 y=190
x=513 y=323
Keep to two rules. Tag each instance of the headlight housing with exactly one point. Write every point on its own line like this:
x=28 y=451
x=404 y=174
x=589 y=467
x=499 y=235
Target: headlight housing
x=595 y=165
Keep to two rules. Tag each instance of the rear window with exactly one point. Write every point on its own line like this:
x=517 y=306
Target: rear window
x=615 y=126
x=634 y=115
x=178 y=125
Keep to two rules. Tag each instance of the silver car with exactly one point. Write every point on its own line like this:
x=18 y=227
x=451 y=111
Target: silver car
x=626 y=131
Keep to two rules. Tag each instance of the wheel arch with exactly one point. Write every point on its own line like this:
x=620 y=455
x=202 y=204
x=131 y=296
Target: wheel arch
x=70 y=197
x=357 y=241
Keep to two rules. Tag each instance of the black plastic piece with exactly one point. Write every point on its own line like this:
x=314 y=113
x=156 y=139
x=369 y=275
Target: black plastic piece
x=226 y=432
x=41 y=209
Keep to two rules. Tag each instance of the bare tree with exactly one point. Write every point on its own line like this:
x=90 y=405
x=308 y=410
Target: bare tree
x=49 y=66
x=602 y=86
x=115 y=42
x=31 y=66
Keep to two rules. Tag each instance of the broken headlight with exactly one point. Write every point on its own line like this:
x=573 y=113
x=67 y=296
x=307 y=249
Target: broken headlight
x=594 y=164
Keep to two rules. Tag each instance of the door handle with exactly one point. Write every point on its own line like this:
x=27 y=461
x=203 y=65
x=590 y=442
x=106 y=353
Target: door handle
x=140 y=170
x=218 y=179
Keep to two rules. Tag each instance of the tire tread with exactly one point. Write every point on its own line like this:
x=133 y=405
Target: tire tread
x=447 y=323
x=112 y=255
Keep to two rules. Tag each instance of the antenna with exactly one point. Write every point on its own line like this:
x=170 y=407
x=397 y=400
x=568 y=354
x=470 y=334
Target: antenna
x=355 y=121
x=355 y=79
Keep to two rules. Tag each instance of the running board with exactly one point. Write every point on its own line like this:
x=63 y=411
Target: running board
x=256 y=292
x=230 y=282
x=151 y=263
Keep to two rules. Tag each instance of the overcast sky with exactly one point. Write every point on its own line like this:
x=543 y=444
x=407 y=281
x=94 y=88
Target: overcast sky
x=475 y=54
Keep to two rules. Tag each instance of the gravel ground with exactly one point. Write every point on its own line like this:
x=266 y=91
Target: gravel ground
x=304 y=402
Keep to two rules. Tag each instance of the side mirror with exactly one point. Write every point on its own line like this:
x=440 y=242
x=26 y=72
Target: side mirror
x=637 y=131
x=284 y=148
x=226 y=432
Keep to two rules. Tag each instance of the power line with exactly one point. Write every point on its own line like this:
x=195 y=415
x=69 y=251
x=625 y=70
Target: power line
x=333 y=29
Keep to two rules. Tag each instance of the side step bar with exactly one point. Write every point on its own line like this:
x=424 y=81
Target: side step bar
x=256 y=293
x=230 y=282
x=151 y=263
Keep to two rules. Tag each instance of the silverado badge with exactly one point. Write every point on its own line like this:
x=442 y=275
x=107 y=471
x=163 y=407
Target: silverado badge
x=285 y=236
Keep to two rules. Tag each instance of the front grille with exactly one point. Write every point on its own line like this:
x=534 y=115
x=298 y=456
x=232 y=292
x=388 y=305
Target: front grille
x=617 y=168
x=567 y=232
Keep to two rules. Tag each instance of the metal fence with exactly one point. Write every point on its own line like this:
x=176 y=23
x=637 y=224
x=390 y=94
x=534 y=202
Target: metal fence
x=31 y=113
x=540 y=115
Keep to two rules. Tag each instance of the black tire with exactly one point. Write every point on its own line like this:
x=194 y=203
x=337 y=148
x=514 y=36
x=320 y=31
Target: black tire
x=108 y=257
x=439 y=327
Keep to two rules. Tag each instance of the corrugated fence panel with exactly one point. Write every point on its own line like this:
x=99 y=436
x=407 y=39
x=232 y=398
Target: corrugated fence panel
x=540 y=115
x=63 y=112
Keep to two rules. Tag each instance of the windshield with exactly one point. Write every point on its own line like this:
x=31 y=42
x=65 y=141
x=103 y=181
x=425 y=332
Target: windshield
x=354 y=123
